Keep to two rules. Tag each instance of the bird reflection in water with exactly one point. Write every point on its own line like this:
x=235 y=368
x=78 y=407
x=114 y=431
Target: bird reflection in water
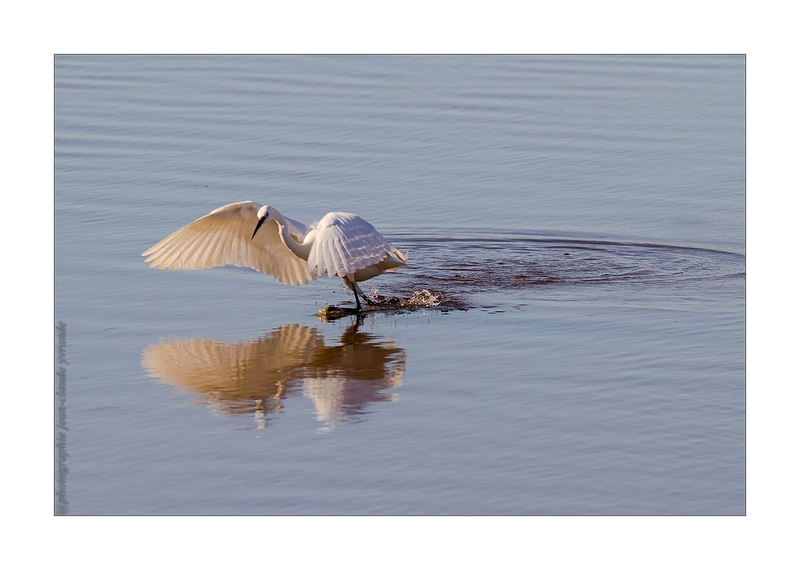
x=255 y=377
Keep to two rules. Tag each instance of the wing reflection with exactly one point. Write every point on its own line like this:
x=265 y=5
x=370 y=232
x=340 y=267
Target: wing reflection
x=255 y=377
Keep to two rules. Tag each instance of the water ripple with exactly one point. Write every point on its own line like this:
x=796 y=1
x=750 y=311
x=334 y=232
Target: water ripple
x=457 y=267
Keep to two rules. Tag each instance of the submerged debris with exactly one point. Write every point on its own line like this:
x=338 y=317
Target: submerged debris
x=422 y=299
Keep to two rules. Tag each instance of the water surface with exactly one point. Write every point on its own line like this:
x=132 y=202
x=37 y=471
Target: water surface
x=578 y=221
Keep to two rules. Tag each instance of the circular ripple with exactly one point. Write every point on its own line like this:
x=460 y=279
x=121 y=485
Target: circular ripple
x=456 y=268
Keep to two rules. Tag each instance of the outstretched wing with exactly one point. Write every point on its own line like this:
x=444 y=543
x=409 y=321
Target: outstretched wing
x=345 y=244
x=223 y=237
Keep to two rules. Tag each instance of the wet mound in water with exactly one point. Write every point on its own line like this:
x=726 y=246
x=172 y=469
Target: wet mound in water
x=421 y=299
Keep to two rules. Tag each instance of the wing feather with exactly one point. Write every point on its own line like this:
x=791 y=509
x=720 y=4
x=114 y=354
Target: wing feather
x=223 y=237
x=345 y=244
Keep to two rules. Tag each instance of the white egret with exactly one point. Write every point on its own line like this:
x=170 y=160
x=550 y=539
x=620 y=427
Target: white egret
x=246 y=234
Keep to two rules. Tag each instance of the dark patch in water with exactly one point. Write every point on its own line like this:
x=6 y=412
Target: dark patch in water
x=453 y=269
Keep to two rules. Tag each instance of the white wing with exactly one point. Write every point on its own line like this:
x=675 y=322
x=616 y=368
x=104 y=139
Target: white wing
x=345 y=243
x=223 y=237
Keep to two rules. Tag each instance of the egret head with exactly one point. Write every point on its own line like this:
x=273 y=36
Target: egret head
x=264 y=213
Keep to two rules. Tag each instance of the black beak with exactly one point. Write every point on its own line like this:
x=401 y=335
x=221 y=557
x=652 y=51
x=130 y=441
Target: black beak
x=258 y=225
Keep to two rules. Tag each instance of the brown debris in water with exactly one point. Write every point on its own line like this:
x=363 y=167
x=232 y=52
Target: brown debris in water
x=421 y=299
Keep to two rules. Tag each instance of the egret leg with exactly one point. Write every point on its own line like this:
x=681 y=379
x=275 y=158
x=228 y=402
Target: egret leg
x=351 y=284
x=359 y=292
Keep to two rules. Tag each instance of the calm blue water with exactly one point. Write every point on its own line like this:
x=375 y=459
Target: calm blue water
x=587 y=212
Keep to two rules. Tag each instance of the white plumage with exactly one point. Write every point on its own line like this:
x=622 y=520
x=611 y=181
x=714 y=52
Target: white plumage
x=246 y=234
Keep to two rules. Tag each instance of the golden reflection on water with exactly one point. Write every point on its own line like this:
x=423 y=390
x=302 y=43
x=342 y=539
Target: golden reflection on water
x=255 y=377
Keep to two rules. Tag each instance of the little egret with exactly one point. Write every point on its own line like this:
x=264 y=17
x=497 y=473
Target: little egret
x=246 y=234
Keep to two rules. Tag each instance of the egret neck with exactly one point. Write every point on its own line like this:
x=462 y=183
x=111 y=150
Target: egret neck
x=301 y=250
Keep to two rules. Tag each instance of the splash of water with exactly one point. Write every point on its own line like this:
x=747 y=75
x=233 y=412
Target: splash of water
x=418 y=299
